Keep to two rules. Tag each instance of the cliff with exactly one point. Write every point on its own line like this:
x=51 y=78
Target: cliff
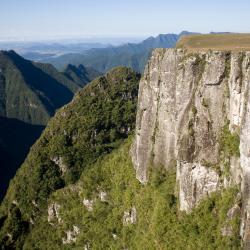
x=77 y=188
x=193 y=110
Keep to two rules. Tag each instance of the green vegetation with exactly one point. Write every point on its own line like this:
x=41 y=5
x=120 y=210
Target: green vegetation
x=16 y=138
x=30 y=93
x=98 y=119
x=238 y=42
x=227 y=66
x=199 y=64
x=205 y=102
x=229 y=142
x=159 y=223
x=229 y=145
x=83 y=153
x=33 y=91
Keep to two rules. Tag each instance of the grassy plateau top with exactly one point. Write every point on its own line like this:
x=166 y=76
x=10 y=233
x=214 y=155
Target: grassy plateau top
x=223 y=42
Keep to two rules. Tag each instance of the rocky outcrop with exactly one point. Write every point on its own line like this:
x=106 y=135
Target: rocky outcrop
x=129 y=216
x=195 y=182
x=53 y=213
x=185 y=103
x=71 y=235
x=103 y=196
x=88 y=204
x=58 y=160
x=227 y=229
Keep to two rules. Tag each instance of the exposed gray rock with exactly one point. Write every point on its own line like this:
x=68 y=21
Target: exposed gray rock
x=88 y=204
x=58 y=160
x=71 y=235
x=235 y=171
x=214 y=68
x=232 y=212
x=53 y=213
x=32 y=221
x=195 y=183
x=236 y=91
x=227 y=230
x=9 y=236
x=34 y=203
x=32 y=105
x=181 y=109
x=184 y=102
x=15 y=202
x=155 y=112
x=114 y=236
x=103 y=196
x=87 y=246
x=245 y=149
x=129 y=216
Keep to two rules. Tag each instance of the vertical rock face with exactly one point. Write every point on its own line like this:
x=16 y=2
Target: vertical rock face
x=185 y=102
x=244 y=118
x=182 y=107
x=156 y=102
x=195 y=182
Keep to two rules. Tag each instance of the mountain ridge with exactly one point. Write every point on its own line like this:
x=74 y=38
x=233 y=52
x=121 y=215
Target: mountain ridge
x=40 y=88
x=30 y=93
x=134 y=55
x=81 y=74
x=99 y=118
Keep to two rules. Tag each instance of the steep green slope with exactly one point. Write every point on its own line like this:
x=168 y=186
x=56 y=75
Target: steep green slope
x=98 y=119
x=31 y=92
x=109 y=209
x=77 y=188
x=53 y=72
x=80 y=75
x=16 y=138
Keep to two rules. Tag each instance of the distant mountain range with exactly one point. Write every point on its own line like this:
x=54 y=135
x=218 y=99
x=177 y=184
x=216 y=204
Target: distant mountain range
x=30 y=93
x=38 y=50
x=134 y=55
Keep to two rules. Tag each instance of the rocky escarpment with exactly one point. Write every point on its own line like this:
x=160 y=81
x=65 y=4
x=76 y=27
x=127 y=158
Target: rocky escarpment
x=193 y=110
x=77 y=189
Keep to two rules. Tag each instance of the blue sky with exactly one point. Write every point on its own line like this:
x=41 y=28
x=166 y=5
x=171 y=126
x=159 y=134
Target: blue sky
x=39 y=19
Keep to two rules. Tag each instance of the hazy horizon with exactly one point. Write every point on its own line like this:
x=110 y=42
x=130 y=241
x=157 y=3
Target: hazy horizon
x=30 y=20
x=111 y=40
